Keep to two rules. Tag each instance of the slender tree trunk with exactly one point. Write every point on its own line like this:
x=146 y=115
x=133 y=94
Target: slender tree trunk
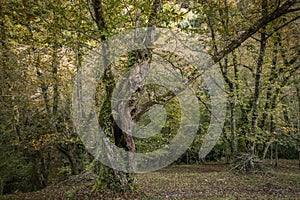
x=266 y=148
x=232 y=140
x=299 y=157
x=276 y=154
x=270 y=101
x=1 y=186
x=298 y=117
x=271 y=154
x=254 y=103
x=233 y=106
x=254 y=120
x=55 y=100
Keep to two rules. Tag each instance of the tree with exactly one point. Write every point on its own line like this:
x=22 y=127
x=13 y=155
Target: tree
x=42 y=49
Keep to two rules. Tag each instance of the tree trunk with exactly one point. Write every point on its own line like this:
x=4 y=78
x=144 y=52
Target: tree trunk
x=254 y=103
x=110 y=177
x=55 y=100
x=232 y=140
x=122 y=139
x=1 y=186
x=41 y=163
x=72 y=152
x=299 y=157
x=273 y=122
x=267 y=145
x=233 y=106
x=298 y=117
x=271 y=156
x=270 y=104
x=276 y=154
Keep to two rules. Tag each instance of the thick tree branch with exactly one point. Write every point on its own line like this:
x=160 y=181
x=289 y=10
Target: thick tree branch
x=282 y=10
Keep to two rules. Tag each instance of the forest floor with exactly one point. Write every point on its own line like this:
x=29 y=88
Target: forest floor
x=205 y=181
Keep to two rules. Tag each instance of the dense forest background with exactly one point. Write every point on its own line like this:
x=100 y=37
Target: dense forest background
x=43 y=43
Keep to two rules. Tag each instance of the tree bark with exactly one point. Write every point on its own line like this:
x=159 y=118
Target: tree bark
x=122 y=138
x=55 y=100
x=276 y=154
x=41 y=166
x=260 y=62
x=270 y=104
x=298 y=117
x=72 y=152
